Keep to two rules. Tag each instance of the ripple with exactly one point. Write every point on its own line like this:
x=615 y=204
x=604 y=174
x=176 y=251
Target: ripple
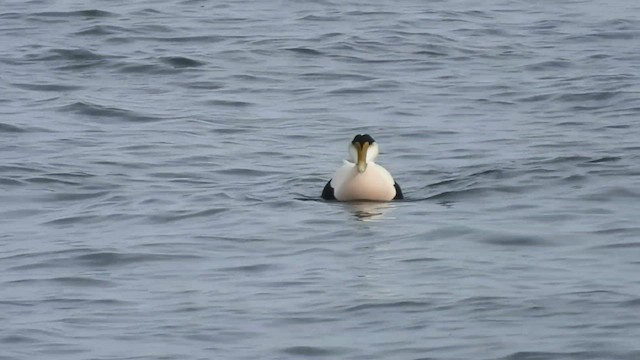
x=588 y=96
x=64 y=259
x=305 y=51
x=49 y=180
x=79 y=55
x=229 y=103
x=48 y=87
x=107 y=259
x=256 y=268
x=202 y=39
x=578 y=355
x=18 y=339
x=514 y=240
x=70 y=220
x=8 y=128
x=181 y=62
x=101 y=30
x=606 y=35
x=77 y=196
x=143 y=68
x=206 y=85
x=454 y=195
x=10 y=182
x=420 y=260
x=78 y=281
x=621 y=245
x=549 y=65
x=246 y=172
x=335 y=76
x=183 y=215
x=403 y=304
x=90 y=13
x=313 y=351
x=100 y=111
x=605 y=159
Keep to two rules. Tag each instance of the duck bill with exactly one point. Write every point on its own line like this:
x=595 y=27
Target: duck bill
x=362 y=157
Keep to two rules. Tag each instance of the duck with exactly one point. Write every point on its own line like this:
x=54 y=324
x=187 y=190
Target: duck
x=360 y=178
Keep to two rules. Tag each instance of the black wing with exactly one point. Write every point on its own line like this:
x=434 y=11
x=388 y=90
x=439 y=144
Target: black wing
x=327 y=192
x=399 y=195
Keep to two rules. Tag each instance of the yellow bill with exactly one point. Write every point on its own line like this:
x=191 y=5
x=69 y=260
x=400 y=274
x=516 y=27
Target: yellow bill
x=362 y=156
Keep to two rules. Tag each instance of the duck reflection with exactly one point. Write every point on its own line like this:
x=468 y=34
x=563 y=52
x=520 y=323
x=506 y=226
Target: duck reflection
x=370 y=210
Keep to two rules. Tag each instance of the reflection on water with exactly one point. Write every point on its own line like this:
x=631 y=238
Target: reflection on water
x=370 y=210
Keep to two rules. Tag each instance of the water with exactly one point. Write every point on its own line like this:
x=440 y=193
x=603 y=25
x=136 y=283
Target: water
x=162 y=161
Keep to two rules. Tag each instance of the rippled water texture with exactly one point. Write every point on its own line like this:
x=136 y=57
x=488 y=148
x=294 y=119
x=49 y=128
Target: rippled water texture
x=161 y=164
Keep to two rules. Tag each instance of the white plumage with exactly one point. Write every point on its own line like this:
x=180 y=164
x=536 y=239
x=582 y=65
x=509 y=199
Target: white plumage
x=360 y=178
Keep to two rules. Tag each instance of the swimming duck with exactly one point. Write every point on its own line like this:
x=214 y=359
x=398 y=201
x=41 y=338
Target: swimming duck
x=359 y=178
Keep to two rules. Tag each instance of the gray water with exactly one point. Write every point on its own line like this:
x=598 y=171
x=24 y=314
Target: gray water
x=161 y=164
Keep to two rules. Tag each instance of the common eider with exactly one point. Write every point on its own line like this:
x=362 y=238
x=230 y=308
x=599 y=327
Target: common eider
x=360 y=178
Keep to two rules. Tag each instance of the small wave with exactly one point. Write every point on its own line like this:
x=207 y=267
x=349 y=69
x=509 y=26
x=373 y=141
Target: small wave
x=576 y=355
x=513 y=240
x=106 y=258
x=205 y=85
x=477 y=192
x=336 y=76
x=71 y=220
x=421 y=305
x=100 y=30
x=49 y=180
x=319 y=18
x=137 y=68
x=95 y=110
x=146 y=11
x=8 y=181
x=305 y=51
x=202 y=39
x=181 y=62
x=536 y=98
x=246 y=172
x=631 y=303
x=314 y=351
x=562 y=160
x=18 y=339
x=620 y=231
x=256 y=268
x=11 y=15
x=604 y=159
x=182 y=215
x=420 y=259
x=64 y=259
x=48 y=87
x=12 y=169
x=370 y=13
x=78 y=196
x=588 y=96
x=90 y=13
x=8 y=128
x=610 y=193
x=606 y=35
x=549 y=65
x=226 y=131
x=623 y=246
x=230 y=103
x=71 y=54
x=353 y=90
x=68 y=281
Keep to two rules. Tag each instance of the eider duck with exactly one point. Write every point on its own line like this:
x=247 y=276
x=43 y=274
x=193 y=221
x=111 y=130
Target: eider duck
x=360 y=178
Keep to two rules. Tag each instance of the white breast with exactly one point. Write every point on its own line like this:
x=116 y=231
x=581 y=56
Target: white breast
x=375 y=184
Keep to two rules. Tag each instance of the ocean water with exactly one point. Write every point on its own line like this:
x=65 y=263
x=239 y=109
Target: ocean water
x=161 y=164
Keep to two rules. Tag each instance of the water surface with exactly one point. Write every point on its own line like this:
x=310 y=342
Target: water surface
x=161 y=164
